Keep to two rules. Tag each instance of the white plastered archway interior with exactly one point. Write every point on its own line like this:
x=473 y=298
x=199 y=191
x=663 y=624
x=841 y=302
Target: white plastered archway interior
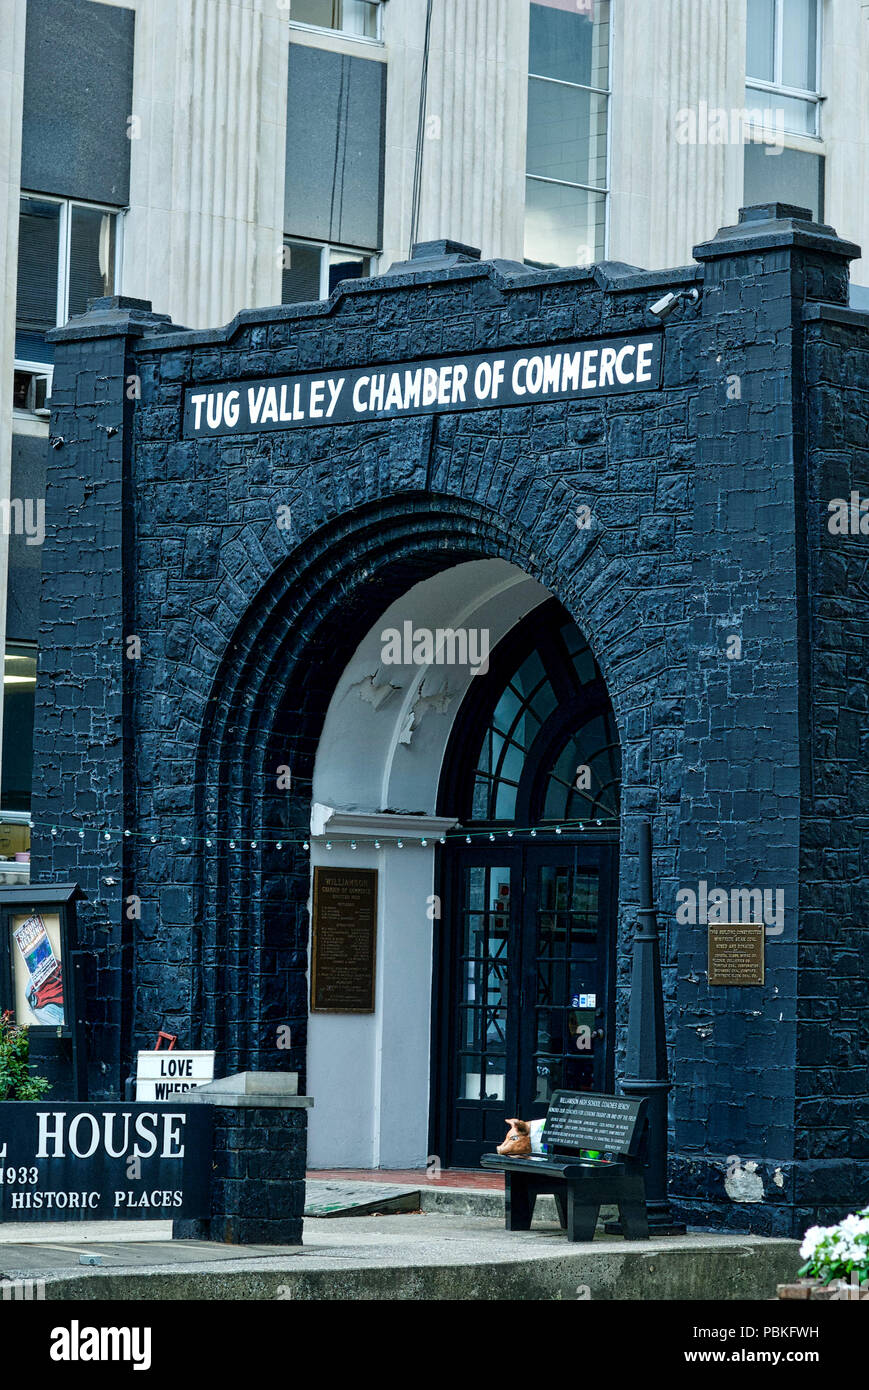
x=376 y=774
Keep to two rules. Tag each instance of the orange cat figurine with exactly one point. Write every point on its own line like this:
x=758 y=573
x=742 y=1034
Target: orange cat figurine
x=518 y=1140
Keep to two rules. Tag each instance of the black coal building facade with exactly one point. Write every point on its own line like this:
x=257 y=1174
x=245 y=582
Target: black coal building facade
x=668 y=606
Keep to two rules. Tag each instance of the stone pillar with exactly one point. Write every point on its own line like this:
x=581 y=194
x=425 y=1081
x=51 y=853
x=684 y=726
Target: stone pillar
x=747 y=710
x=260 y=1149
x=84 y=780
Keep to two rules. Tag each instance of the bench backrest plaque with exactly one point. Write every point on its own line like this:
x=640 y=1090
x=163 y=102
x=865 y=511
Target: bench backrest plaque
x=582 y=1120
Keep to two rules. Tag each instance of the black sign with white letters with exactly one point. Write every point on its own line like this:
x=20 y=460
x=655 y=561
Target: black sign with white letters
x=584 y=1120
x=522 y=376
x=71 y=1162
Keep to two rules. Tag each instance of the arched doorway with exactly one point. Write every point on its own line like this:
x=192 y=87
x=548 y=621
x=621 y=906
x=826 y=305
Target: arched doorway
x=525 y=981
x=366 y=744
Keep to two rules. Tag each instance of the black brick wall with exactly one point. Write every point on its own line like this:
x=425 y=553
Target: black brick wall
x=700 y=530
x=832 y=1109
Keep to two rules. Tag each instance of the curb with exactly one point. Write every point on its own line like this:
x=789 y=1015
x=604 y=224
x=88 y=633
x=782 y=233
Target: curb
x=657 y=1273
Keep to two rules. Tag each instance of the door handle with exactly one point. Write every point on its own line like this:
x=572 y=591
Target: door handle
x=597 y=1035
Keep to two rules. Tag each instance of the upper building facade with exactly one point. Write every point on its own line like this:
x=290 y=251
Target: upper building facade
x=211 y=156
x=214 y=156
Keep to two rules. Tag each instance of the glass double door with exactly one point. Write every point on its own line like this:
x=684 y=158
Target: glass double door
x=525 y=987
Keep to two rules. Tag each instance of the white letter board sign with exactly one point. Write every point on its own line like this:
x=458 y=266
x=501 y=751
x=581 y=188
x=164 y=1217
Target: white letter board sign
x=164 y=1074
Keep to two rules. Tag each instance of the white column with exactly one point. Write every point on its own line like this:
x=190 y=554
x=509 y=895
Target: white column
x=204 y=231
x=669 y=55
x=11 y=108
x=373 y=1070
x=473 y=162
x=845 y=123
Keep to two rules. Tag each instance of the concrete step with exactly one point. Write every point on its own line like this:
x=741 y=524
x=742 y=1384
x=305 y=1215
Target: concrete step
x=339 y=1198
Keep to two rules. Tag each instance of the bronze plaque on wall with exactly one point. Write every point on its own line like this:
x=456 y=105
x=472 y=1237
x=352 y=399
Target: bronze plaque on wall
x=344 y=941
x=736 y=951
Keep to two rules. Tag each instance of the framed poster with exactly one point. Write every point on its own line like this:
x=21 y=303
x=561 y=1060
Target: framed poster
x=344 y=941
x=37 y=968
x=39 y=980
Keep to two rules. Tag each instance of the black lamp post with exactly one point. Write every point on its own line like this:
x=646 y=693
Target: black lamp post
x=646 y=1053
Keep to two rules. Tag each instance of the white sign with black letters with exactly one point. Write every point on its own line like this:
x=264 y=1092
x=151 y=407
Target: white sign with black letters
x=163 y=1075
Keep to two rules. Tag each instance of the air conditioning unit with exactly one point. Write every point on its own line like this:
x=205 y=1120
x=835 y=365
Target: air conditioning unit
x=32 y=393
x=41 y=393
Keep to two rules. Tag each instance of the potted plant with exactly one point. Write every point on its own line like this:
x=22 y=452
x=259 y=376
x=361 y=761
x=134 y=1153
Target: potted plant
x=16 y=1081
x=837 y=1261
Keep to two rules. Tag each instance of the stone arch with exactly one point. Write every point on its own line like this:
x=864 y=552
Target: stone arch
x=267 y=707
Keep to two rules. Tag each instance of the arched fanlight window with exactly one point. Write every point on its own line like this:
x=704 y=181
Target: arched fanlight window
x=526 y=702
x=583 y=782
x=540 y=731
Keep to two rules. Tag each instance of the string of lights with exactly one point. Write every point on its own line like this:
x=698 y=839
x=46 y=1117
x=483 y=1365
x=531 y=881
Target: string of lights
x=285 y=841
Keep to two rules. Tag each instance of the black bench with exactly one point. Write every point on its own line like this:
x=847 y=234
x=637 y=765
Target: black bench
x=577 y=1121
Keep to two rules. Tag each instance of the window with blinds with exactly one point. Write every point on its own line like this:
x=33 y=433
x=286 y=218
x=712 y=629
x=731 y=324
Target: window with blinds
x=91 y=256
x=67 y=255
x=311 y=271
x=38 y=255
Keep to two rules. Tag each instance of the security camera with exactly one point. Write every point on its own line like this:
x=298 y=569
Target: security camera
x=667 y=303
x=664 y=306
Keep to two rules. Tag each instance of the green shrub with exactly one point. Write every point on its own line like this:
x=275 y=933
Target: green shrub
x=16 y=1082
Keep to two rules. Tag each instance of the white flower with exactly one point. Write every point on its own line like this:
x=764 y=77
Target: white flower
x=838 y=1245
x=811 y=1240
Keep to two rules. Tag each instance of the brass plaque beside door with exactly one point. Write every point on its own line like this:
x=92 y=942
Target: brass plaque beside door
x=344 y=941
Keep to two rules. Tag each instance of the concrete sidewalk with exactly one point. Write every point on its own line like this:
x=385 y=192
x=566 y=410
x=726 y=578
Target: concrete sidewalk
x=411 y=1256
